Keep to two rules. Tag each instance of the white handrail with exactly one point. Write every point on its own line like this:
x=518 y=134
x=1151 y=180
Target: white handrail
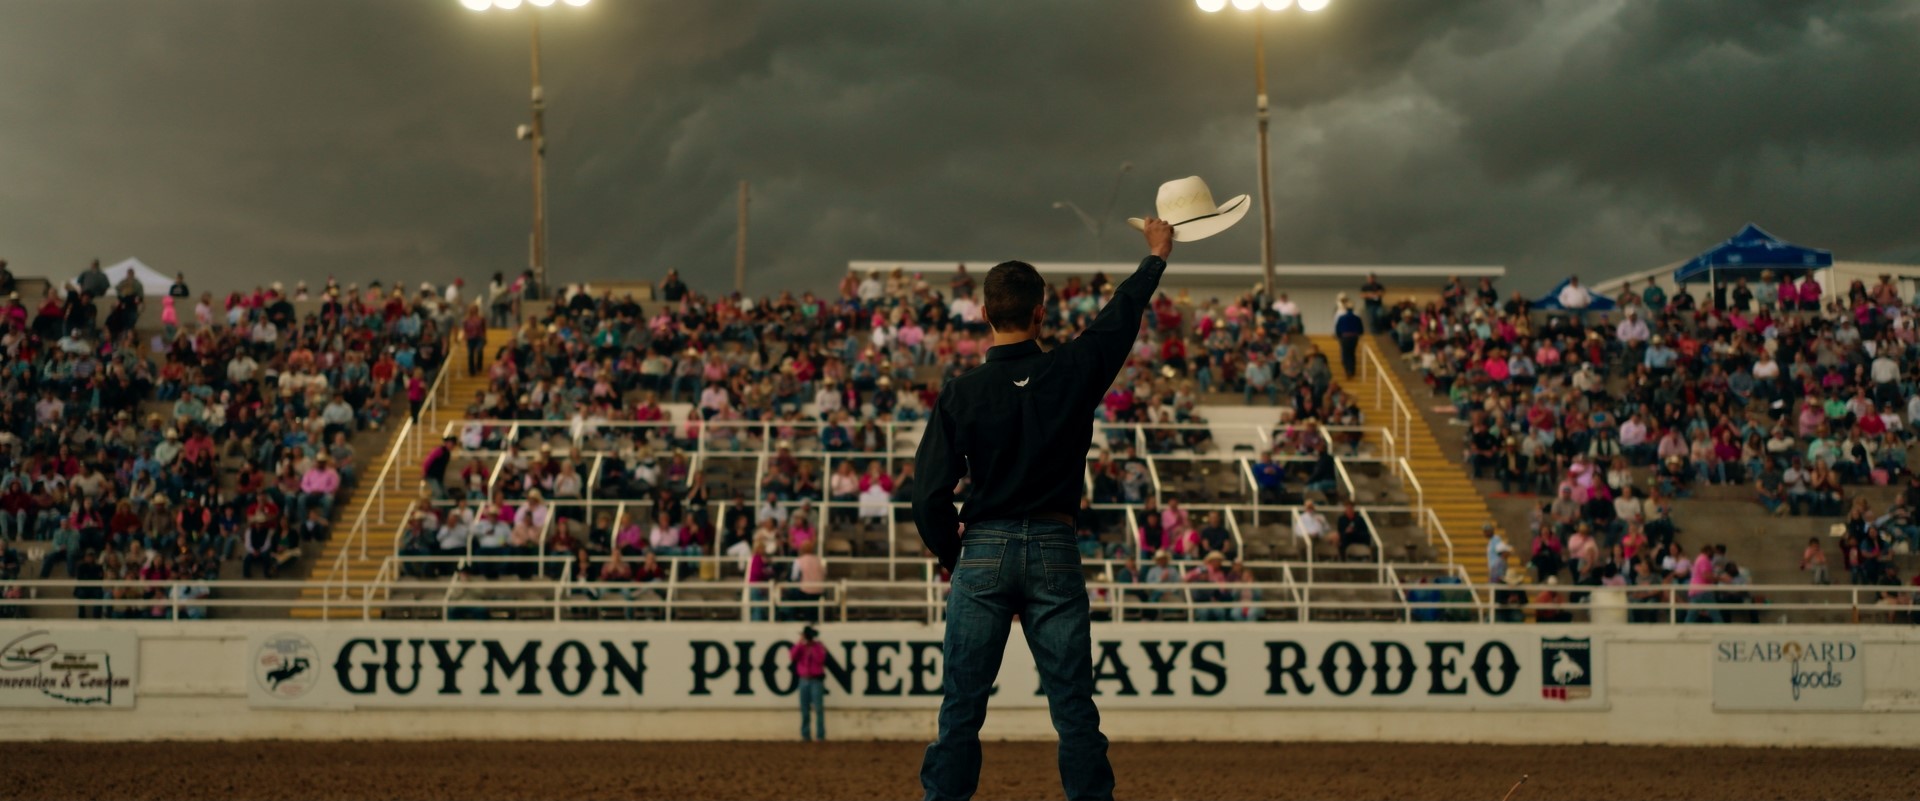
x=1419 y=492
x=1446 y=542
x=1373 y=536
x=357 y=535
x=1153 y=473
x=1239 y=543
x=1346 y=480
x=1778 y=602
x=1402 y=408
x=1253 y=487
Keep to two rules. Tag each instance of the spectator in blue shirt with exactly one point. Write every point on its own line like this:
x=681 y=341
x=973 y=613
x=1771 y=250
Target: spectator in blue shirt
x=1349 y=328
x=1259 y=378
x=1660 y=357
x=1267 y=475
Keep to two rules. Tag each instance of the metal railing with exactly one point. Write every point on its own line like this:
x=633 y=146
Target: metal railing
x=1387 y=386
x=374 y=500
x=1280 y=596
x=594 y=444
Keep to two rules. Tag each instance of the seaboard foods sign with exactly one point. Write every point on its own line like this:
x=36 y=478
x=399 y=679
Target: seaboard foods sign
x=880 y=666
x=1788 y=674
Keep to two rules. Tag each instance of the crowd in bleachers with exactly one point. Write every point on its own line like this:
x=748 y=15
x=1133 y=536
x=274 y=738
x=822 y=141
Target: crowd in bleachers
x=1764 y=387
x=226 y=436
x=223 y=438
x=592 y=382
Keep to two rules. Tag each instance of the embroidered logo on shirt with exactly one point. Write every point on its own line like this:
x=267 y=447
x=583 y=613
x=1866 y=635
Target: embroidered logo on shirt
x=1023 y=382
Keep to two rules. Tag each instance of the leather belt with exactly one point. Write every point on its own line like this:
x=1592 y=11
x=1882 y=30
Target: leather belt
x=1058 y=517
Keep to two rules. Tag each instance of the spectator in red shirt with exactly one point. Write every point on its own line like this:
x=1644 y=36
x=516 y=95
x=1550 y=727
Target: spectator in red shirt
x=809 y=671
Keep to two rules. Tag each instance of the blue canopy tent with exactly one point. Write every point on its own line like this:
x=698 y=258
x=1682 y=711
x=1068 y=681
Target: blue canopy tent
x=1749 y=253
x=1551 y=300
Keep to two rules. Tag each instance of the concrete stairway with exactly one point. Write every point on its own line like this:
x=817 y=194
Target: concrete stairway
x=1448 y=490
x=349 y=574
x=385 y=510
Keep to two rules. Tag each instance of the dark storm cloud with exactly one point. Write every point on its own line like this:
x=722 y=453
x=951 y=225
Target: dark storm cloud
x=247 y=141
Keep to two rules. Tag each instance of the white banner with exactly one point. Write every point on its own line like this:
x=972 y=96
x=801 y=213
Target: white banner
x=880 y=666
x=1788 y=673
x=42 y=669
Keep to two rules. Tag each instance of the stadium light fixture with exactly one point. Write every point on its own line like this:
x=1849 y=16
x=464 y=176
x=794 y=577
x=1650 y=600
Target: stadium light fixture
x=535 y=134
x=1260 y=113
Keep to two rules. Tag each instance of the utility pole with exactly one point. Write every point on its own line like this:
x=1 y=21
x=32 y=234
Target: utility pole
x=740 y=246
x=1266 y=193
x=538 y=134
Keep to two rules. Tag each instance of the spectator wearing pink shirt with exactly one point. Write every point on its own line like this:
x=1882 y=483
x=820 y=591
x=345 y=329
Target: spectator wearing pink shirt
x=808 y=584
x=810 y=671
x=759 y=575
x=1700 y=588
x=1175 y=521
x=629 y=538
x=318 y=486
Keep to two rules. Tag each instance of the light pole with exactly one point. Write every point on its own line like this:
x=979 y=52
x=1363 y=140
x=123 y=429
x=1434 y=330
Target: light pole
x=1260 y=113
x=1097 y=226
x=535 y=134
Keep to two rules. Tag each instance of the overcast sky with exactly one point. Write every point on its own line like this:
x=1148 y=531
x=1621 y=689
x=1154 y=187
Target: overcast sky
x=244 y=141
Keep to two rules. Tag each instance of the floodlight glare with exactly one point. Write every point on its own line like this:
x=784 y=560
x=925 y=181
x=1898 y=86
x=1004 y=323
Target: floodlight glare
x=576 y=3
x=1246 y=5
x=1211 y=6
x=1312 y=5
x=506 y=5
x=477 y=5
x=541 y=3
x=1278 y=5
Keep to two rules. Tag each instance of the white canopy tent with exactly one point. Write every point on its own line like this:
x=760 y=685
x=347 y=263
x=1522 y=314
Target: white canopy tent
x=152 y=282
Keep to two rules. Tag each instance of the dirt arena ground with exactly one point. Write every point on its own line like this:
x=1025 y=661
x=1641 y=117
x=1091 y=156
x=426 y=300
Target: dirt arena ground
x=887 y=770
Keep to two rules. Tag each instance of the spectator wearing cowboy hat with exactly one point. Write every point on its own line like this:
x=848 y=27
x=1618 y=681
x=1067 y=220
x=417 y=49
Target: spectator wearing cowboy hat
x=1213 y=580
x=809 y=658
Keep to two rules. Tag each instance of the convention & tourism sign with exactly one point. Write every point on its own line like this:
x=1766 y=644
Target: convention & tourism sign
x=46 y=669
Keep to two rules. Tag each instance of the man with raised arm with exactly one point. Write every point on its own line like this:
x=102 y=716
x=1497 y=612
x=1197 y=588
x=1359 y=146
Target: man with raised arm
x=1019 y=426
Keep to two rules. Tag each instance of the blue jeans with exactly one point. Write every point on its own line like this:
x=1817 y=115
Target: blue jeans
x=759 y=607
x=1703 y=615
x=1029 y=568
x=813 y=693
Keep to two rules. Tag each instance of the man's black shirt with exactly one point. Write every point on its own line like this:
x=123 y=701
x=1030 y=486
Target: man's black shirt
x=1216 y=538
x=1020 y=424
x=1353 y=531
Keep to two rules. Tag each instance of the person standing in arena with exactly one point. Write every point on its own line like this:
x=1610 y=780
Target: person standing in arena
x=810 y=672
x=1019 y=425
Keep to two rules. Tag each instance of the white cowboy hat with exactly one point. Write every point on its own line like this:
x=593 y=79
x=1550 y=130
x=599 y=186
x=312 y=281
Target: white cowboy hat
x=1188 y=204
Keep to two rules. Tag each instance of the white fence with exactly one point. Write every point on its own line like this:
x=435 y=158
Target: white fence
x=1695 y=685
x=1382 y=593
